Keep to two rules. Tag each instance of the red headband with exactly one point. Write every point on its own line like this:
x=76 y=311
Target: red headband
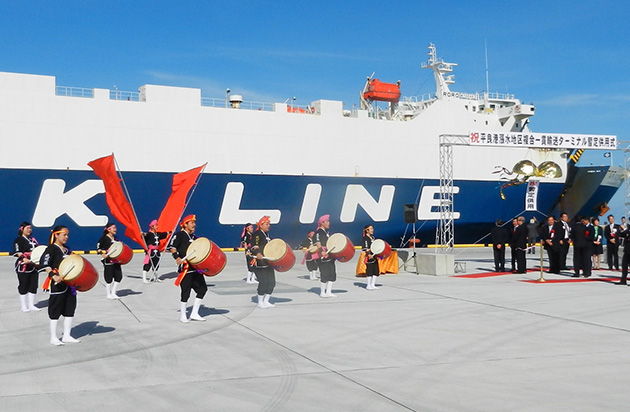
x=264 y=219
x=189 y=218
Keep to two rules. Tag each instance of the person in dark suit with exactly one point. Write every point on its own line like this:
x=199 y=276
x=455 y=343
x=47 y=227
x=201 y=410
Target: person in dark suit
x=532 y=235
x=625 y=260
x=510 y=236
x=499 y=236
x=598 y=249
x=552 y=234
x=582 y=247
x=612 y=247
x=564 y=243
x=519 y=242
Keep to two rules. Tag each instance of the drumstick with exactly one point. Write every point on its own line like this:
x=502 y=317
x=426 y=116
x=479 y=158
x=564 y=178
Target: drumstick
x=65 y=273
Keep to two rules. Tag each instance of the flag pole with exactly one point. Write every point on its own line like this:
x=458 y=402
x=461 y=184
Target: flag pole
x=189 y=197
x=144 y=244
x=169 y=237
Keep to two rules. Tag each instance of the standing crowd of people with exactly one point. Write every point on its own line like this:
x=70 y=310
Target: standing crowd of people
x=556 y=236
x=63 y=296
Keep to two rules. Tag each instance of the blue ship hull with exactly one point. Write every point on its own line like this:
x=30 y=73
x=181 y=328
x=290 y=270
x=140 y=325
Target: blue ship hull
x=478 y=204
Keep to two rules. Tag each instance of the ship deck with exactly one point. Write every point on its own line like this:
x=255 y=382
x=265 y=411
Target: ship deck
x=419 y=343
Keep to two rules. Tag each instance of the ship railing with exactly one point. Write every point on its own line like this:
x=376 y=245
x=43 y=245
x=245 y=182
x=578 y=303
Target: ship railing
x=123 y=95
x=501 y=96
x=299 y=108
x=246 y=105
x=468 y=96
x=74 y=91
x=418 y=99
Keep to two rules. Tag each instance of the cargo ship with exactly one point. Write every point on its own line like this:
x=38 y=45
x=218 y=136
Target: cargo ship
x=293 y=163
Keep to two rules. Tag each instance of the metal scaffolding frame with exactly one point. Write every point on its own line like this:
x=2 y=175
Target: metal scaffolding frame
x=626 y=183
x=445 y=231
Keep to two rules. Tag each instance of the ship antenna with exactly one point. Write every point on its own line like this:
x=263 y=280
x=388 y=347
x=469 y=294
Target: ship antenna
x=487 y=75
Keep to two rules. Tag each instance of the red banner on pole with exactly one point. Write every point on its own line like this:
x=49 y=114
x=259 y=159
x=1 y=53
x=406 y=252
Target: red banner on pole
x=119 y=205
x=182 y=184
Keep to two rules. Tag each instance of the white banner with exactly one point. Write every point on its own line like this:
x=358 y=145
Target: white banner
x=544 y=140
x=531 y=197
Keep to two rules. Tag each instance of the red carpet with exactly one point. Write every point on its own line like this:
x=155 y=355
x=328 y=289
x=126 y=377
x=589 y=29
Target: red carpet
x=491 y=274
x=574 y=280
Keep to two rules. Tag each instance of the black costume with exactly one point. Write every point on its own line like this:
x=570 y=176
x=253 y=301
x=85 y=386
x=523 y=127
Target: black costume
x=265 y=273
x=28 y=277
x=63 y=298
x=246 y=242
x=193 y=279
x=152 y=258
x=499 y=236
x=309 y=259
x=371 y=264
x=112 y=269
x=327 y=270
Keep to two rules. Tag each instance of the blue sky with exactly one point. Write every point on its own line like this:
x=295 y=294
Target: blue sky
x=570 y=58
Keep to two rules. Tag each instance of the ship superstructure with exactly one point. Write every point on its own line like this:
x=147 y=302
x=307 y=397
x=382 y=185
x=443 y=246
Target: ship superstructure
x=291 y=162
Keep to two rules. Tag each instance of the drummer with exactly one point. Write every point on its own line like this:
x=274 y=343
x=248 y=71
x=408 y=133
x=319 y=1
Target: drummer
x=327 y=270
x=310 y=255
x=112 y=268
x=63 y=298
x=371 y=264
x=246 y=240
x=152 y=254
x=192 y=279
x=265 y=273
x=28 y=277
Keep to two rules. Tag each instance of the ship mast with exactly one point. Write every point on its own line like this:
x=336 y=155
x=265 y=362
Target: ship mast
x=440 y=68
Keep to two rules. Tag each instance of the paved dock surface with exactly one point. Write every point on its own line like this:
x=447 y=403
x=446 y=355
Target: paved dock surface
x=419 y=343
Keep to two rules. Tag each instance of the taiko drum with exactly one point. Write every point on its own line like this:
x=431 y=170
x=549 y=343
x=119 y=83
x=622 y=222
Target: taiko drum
x=37 y=254
x=204 y=255
x=76 y=271
x=120 y=252
x=381 y=248
x=340 y=247
x=279 y=255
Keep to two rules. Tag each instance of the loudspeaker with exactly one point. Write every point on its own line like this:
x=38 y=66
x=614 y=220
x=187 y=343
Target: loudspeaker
x=411 y=212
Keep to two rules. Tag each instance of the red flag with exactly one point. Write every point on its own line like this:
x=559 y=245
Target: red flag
x=182 y=183
x=116 y=199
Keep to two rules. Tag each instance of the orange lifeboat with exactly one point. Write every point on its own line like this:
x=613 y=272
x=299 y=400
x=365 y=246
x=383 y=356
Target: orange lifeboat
x=382 y=92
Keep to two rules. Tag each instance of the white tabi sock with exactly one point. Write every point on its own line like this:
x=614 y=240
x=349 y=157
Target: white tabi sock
x=194 y=315
x=261 y=302
x=67 y=328
x=182 y=315
x=329 y=290
x=31 y=302
x=23 y=306
x=114 y=287
x=267 y=303
x=54 y=340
